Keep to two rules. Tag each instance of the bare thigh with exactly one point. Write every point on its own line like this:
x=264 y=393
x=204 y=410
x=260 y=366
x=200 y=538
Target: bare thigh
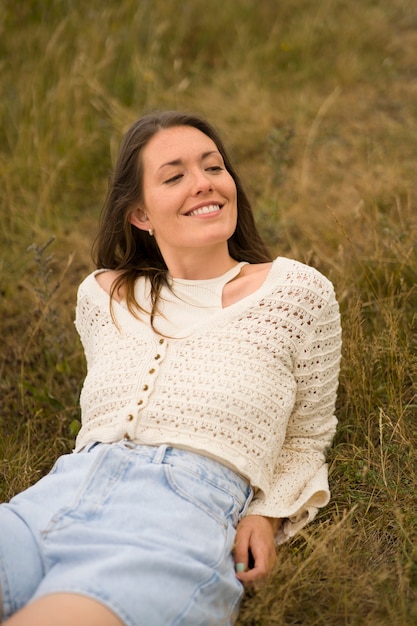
x=64 y=609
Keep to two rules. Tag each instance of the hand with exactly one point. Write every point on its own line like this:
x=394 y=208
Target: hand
x=255 y=538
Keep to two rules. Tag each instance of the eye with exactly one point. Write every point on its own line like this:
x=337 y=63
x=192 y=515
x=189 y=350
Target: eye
x=173 y=179
x=215 y=168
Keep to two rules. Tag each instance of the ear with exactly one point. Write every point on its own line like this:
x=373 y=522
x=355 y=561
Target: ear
x=139 y=219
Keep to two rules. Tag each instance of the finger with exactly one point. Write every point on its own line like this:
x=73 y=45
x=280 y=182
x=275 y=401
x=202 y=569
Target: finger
x=257 y=574
x=241 y=554
x=264 y=561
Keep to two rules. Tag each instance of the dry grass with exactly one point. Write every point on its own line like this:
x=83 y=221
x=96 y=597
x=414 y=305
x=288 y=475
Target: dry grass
x=319 y=103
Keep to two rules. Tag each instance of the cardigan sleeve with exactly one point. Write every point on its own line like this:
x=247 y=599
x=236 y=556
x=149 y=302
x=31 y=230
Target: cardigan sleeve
x=300 y=484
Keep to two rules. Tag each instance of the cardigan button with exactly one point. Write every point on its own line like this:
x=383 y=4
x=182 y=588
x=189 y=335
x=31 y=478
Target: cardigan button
x=130 y=417
x=145 y=387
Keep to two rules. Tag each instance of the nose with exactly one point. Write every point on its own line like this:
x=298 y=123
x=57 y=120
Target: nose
x=201 y=182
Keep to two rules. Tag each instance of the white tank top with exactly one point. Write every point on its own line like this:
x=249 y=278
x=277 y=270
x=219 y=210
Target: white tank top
x=190 y=303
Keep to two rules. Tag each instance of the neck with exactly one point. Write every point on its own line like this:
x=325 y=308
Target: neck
x=200 y=264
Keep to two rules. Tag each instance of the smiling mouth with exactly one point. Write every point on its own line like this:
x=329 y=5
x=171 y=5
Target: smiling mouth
x=204 y=210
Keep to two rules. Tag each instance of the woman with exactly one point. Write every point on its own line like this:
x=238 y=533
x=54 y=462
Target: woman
x=206 y=411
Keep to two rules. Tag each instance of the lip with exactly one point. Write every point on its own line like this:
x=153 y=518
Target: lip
x=202 y=205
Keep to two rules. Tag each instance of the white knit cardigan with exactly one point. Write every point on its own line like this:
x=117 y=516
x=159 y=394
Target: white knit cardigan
x=255 y=387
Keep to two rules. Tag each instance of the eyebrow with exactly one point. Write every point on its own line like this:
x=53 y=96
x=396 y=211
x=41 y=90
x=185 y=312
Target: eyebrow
x=179 y=161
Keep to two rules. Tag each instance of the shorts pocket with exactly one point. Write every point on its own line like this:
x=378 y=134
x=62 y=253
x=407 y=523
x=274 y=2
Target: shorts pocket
x=215 y=501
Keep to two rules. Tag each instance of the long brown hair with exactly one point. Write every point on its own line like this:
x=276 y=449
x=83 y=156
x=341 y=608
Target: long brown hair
x=121 y=246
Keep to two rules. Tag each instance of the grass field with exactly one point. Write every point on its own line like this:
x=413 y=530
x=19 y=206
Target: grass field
x=318 y=100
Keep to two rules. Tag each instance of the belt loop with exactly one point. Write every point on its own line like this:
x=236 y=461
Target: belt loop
x=247 y=502
x=159 y=454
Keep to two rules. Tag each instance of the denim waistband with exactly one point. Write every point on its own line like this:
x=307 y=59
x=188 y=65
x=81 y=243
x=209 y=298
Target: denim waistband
x=199 y=464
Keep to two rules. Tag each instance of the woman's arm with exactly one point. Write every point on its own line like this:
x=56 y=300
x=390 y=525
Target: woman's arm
x=300 y=485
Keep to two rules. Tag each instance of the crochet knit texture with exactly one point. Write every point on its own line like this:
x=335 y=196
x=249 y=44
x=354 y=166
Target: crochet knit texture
x=253 y=387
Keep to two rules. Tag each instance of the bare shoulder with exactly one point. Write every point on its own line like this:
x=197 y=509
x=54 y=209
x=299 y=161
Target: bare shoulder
x=250 y=278
x=106 y=279
x=255 y=274
x=256 y=270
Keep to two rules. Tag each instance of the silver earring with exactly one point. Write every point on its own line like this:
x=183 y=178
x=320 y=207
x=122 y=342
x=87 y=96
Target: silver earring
x=150 y=231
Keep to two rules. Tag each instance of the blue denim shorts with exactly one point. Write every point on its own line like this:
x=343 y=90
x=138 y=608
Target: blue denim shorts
x=147 y=531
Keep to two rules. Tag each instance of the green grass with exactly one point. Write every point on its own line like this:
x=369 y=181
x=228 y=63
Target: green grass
x=319 y=105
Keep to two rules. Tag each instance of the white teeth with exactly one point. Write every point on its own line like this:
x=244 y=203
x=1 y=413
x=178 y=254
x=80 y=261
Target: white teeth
x=205 y=209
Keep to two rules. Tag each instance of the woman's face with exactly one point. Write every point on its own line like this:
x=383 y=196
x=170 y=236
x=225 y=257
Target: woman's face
x=189 y=196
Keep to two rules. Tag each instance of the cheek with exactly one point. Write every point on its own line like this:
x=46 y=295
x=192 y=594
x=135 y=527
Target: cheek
x=233 y=197
x=232 y=191
x=154 y=204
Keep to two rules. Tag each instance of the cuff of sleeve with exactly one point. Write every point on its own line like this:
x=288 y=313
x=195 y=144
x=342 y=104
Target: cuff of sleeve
x=291 y=525
x=300 y=512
